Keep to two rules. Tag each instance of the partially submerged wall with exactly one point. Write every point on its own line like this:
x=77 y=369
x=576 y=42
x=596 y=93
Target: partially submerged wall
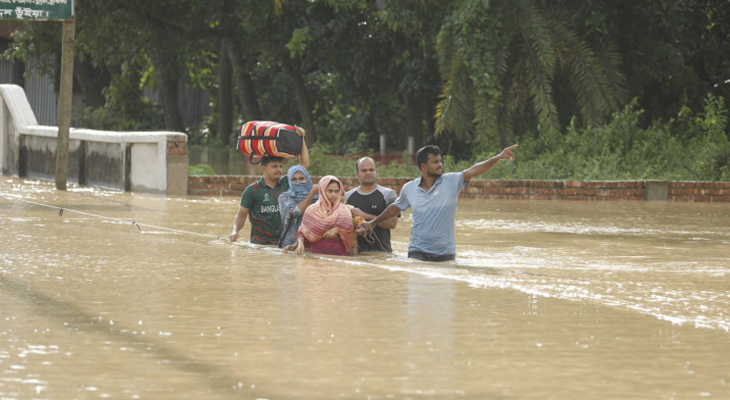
x=152 y=162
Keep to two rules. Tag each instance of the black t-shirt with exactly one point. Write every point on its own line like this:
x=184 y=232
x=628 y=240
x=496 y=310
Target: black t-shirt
x=373 y=203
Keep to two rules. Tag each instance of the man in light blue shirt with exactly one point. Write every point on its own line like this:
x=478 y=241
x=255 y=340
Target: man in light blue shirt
x=433 y=198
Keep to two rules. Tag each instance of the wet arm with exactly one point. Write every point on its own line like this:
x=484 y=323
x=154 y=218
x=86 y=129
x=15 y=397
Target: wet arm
x=239 y=222
x=484 y=166
x=389 y=223
x=391 y=212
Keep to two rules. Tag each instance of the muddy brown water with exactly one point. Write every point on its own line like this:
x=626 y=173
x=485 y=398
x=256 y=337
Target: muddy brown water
x=130 y=296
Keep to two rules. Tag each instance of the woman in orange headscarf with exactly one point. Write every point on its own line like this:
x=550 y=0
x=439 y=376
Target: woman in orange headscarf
x=327 y=224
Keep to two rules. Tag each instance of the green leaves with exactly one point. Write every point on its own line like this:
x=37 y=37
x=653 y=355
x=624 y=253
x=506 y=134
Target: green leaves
x=512 y=53
x=693 y=147
x=299 y=41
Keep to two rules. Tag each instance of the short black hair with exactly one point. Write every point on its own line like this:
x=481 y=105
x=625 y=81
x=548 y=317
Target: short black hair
x=265 y=160
x=357 y=163
x=423 y=152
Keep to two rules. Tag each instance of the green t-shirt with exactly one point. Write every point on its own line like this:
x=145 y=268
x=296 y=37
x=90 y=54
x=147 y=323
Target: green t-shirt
x=263 y=210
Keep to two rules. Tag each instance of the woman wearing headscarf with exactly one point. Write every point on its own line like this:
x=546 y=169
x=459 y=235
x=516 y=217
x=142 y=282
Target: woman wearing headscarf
x=293 y=202
x=327 y=224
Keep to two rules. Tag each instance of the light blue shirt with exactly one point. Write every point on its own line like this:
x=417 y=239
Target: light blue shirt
x=434 y=213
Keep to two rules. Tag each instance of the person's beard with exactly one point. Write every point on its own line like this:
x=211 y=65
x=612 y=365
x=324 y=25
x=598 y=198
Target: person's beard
x=436 y=173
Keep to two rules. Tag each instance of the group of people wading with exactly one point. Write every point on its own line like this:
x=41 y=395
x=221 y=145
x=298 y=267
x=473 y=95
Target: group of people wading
x=293 y=213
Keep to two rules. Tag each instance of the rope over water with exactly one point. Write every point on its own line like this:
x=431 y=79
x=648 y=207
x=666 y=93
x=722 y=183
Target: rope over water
x=103 y=217
x=370 y=237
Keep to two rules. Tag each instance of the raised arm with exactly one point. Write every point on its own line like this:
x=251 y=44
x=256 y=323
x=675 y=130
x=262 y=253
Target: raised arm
x=484 y=166
x=304 y=157
x=308 y=200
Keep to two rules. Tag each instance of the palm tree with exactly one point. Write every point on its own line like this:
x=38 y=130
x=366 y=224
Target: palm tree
x=510 y=64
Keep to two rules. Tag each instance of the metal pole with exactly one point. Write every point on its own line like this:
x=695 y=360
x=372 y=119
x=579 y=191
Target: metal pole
x=65 y=102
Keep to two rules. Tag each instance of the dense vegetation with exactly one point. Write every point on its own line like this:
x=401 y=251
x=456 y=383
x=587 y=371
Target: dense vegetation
x=691 y=147
x=590 y=89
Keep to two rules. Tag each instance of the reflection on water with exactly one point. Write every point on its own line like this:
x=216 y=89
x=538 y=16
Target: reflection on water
x=135 y=296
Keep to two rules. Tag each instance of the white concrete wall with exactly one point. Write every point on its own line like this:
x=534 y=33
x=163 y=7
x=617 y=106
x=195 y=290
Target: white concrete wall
x=145 y=173
x=148 y=169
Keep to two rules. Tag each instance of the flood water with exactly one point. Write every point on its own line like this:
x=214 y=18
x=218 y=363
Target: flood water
x=129 y=296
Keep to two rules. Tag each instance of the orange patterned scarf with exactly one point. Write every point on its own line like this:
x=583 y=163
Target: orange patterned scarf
x=323 y=216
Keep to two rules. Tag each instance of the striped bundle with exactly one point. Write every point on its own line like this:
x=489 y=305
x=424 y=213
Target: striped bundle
x=268 y=138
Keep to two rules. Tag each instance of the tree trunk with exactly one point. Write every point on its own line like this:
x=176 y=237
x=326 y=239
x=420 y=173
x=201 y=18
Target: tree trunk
x=225 y=95
x=415 y=117
x=246 y=91
x=167 y=79
x=300 y=93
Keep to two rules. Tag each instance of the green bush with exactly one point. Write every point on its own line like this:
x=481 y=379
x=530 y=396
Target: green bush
x=201 y=169
x=688 y=148
x=321 y=163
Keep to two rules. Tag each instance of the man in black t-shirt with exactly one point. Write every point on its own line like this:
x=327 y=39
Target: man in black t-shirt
x=369 y=200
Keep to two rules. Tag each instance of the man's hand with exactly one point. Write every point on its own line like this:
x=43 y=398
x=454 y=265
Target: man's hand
x=298 y=247
x=356 y=212
x=238 y=223
x=300 y=131
x=507 y=153
x=364 y=228
x=484 y=166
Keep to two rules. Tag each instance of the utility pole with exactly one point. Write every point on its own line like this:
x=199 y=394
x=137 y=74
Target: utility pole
x=58 y=10
x=65 y=101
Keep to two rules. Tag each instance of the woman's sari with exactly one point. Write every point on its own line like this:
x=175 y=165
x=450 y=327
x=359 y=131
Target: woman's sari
x=323 y=216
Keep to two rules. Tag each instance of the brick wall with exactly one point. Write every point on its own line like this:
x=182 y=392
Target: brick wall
x=230 y=185
x=700 y=191
x=177 y=146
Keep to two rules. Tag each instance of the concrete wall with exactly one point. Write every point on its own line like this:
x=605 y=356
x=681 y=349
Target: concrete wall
x=151 y=162
x=716 y=192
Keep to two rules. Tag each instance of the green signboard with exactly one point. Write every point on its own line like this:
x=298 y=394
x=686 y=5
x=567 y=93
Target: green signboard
x=37 y=9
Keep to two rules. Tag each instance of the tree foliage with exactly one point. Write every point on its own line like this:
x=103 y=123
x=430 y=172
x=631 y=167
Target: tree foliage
x=508 y=65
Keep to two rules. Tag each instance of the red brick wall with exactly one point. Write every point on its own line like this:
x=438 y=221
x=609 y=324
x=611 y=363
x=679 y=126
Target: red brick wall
x=177 y=146
x=230 y=185
x=699 y=191
x=555 y=190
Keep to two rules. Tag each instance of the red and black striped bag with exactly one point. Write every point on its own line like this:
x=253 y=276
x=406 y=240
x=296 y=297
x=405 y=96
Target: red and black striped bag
x=268 y=138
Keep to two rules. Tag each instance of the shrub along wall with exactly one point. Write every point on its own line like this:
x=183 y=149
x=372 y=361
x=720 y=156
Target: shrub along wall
x=230 y=185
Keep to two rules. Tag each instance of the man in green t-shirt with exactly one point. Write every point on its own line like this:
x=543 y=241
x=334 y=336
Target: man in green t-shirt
x=260 y=200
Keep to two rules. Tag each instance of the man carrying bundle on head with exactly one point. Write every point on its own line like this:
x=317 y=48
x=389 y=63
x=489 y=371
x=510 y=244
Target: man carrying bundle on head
x=260 y=200
x=433 y=197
